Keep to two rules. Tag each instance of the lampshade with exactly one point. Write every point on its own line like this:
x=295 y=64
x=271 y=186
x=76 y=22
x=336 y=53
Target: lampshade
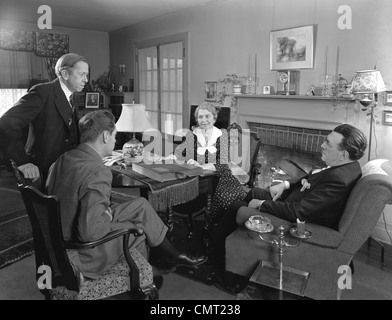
x=368 y=81
x=133 y=118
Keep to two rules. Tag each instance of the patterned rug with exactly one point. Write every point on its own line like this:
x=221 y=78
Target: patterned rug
x=16 y=241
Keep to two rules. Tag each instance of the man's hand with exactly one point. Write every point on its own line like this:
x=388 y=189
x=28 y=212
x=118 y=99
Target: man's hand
x=30 y=171
x=277 y=190
x=255 y=203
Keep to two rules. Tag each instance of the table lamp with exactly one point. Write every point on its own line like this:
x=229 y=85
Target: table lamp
x=368 y=83
x=133 y=119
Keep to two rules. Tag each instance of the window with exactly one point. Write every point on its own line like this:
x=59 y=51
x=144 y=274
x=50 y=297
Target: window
x=161 y=81
x=8 y=97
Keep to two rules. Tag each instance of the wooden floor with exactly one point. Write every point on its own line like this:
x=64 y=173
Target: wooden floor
x=371 y=279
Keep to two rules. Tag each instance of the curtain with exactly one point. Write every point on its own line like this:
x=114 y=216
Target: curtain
x=25 y=55
x=17 y=68
x=43 y=44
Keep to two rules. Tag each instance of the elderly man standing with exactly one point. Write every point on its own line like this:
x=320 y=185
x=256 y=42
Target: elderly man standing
x=47 y=112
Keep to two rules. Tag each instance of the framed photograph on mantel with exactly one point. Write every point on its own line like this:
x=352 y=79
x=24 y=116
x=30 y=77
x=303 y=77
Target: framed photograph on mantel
x=292 y=48
x=211 y=90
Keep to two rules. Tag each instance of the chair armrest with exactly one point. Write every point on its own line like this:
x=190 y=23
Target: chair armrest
x=110 y=236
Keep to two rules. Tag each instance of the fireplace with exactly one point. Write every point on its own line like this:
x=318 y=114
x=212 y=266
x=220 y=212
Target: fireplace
x=301 y=145
x=291 y=127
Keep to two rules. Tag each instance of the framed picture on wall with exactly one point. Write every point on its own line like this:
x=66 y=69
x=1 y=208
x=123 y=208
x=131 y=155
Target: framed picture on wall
x=92 y=100
x=387 y=118
x=211 y=90
x=388 y=98
x=292 y=48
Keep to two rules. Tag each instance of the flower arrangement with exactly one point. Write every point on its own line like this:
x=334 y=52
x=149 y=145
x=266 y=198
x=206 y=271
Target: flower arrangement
x=104 y=82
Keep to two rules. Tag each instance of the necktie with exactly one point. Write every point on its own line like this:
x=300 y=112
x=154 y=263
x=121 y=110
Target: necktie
x=71 y=102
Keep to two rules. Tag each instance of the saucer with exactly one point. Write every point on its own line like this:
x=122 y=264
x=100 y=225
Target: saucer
x=262 y=228
x=306 y=235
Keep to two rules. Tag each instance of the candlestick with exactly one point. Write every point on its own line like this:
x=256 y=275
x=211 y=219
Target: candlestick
x=337 y=64
x=326 y=60
x=255 y=66
x=249 y=74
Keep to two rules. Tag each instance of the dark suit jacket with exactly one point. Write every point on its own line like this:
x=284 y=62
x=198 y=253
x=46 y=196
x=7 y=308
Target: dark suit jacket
x=46 y=108
x=323 y=203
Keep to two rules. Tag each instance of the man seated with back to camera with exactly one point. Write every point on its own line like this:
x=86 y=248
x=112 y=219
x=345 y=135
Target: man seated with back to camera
x=82 y=184
x=319 y=198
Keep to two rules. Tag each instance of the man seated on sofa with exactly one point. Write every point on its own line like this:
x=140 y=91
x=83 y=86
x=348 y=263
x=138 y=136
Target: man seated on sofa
x=319 y=198
x=82 y=184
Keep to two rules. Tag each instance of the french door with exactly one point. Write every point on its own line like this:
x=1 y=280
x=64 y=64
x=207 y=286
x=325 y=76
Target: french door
x=161 y=79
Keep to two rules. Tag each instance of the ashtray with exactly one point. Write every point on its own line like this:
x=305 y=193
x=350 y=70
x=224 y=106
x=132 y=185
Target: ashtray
x=261 y=227
x=258 y=219
x=307 y=234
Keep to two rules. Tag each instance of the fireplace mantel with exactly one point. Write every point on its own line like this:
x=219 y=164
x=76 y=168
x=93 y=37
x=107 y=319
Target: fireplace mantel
x=297 y=111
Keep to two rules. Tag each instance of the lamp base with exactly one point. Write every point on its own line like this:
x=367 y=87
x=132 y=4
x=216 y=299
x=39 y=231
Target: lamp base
x=133 y=148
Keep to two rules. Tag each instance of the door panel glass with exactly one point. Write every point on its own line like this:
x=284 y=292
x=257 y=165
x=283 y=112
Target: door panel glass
x=163 y=99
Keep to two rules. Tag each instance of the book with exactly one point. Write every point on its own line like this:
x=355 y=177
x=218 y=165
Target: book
x=167 y=172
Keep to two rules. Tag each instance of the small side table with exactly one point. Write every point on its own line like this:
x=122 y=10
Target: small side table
x=278 y=276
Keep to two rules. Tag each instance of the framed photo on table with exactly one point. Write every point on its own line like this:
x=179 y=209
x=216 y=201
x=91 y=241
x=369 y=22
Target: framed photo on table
x=292 y=48
x=92 y=100
x=211 y=90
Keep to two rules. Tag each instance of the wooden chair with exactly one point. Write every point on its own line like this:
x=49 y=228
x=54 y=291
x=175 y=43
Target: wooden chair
x=235 y=132
x=131 y=277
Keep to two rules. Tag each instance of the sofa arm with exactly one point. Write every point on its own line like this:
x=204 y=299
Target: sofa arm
x=323 y=236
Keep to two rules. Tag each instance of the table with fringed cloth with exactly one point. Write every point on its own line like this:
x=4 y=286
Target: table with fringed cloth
x=161 y=195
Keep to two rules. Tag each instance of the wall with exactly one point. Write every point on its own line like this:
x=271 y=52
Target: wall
x=223 y=34
x=94 y=45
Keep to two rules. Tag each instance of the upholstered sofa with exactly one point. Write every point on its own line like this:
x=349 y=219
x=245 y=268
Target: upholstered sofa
x=327 y=249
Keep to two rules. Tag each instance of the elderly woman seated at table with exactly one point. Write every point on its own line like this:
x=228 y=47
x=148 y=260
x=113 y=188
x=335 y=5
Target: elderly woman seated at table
x=207 y=146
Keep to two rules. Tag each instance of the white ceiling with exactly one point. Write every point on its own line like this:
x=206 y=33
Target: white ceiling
x=101 y=15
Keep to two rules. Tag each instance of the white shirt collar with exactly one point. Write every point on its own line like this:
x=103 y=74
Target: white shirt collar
x=65 y=89
x=207 y=145
x=216 y=133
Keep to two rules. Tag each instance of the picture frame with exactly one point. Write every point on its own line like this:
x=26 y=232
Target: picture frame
x=92 y=100
x=387 y=118
x=211 y=90
x=268 y=90
x=388 y=98
x=292 y=48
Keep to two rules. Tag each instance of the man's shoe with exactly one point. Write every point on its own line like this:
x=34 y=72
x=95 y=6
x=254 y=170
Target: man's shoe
x=158 y=281
x=189 y=261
